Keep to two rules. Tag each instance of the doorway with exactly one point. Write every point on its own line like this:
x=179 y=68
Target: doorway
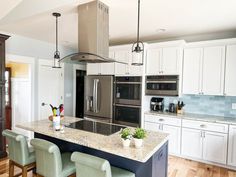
x=19 y=95
x=79 y=111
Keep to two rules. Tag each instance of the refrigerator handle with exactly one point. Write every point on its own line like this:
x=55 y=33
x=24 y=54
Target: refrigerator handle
x=95 y=95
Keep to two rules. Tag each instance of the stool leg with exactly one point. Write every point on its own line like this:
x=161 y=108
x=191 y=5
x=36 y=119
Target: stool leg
x=11 y=168
x=24 y=172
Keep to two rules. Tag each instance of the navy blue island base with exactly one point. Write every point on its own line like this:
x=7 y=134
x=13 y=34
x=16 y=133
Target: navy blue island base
x=156 y=166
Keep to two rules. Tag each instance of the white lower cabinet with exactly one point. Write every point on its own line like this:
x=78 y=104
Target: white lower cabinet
x=205 y=145
x=232 y=146
x=174 y=138
x=191 y=143
x=215 y=147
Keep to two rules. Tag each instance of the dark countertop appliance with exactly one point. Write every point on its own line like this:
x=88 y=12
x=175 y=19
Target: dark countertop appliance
x=157 y=104
x=172 y=108
x=95 y=127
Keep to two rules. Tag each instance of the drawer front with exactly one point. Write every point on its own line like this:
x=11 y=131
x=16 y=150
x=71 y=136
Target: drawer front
x=216 y=127
x=163 y=120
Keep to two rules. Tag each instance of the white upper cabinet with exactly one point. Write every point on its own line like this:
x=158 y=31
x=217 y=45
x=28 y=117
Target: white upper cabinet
x=93 y=68
x=192 y=71
x=203 y=70
x=230 y=71
x=123 y=53
x=170 y=61
x=164 y=58
x=213 y=70
x=153 y=61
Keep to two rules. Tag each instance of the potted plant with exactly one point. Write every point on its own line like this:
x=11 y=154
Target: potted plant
x=138 y=136
x=126 y=136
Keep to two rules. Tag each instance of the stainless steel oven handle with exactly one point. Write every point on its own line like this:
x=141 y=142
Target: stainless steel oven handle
x=127 y=82
x=156 y=82
x=125 y=105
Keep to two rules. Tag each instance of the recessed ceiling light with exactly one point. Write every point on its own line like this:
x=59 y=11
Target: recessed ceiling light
x=161 y=30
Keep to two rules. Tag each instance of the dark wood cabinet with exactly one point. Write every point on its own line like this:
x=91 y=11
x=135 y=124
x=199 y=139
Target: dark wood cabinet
x=3 y=38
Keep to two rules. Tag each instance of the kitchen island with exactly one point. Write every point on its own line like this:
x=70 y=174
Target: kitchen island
x=151 y=160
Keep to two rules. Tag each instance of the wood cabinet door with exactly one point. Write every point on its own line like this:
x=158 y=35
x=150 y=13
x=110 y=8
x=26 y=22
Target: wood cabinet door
x=93 y=68
x=192 y=71
x=232 y=146
x=170 y=61
x=215 y=147
x=213 y=70
x=191 y=143
x=174 y=139
x=153 y=62
x=2 y=61
x=230 y=71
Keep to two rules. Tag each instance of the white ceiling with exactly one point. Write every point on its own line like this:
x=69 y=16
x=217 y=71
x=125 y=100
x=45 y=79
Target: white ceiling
x=178 y=17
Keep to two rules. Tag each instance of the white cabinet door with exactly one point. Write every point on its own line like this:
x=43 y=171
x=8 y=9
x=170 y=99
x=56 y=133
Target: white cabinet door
x=191 y=143
x=215 y=147
x=153 y=61
x=230 y=72
x=123 y=56
x=170 y=61
x=135 y=70
x=232 y=146
x=192 y=71
x=174 y=139
x=213 y=70
x=107 y=68
x=93 y=69
x=152 y=126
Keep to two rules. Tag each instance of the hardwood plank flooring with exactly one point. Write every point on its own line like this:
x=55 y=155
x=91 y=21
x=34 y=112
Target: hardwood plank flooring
x=178 y=167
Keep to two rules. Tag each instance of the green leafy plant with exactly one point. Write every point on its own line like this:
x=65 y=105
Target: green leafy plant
x=126 y=133
x=139 y=133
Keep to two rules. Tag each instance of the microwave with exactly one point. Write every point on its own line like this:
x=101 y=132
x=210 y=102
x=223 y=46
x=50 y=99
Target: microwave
x=162 y=85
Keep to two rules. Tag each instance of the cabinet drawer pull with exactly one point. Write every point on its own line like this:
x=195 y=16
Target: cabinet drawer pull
x=161 y=120
x=203 y=126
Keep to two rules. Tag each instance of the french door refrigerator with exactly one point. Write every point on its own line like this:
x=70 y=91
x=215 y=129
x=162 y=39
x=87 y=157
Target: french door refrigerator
x=98 y=98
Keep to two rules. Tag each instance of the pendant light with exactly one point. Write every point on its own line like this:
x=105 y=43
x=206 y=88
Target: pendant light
x=56 y=63
x=138 y=46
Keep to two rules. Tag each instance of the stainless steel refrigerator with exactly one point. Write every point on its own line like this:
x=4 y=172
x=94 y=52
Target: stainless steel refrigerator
x=98 y=98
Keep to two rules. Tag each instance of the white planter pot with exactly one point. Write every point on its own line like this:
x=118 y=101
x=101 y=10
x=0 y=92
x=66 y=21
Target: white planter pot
x=126 y=143
x=138 y=142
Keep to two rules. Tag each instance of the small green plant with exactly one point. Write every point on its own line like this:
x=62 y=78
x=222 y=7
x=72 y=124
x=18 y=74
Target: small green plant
x=126 y=133
x=139 y=133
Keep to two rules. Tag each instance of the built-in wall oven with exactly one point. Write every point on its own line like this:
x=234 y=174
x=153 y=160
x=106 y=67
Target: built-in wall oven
x=127 y=100
x=162 y=85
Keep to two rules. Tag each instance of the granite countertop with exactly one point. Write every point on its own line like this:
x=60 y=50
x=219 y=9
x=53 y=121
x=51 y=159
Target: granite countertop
x=199 y=117
x=110 y=144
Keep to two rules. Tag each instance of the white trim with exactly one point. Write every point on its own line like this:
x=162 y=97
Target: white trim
x=31 y=62
x=48 y=63
x=76 y=67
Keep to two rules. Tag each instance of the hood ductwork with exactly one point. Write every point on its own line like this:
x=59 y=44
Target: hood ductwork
x=93 y=33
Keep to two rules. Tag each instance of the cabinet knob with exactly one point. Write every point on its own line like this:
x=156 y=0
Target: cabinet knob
x=203 y=126
x=161 y=120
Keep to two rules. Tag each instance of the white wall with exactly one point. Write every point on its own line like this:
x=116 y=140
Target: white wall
x=24 y=46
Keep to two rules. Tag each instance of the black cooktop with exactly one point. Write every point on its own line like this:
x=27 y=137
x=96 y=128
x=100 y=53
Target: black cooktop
x=95 y=127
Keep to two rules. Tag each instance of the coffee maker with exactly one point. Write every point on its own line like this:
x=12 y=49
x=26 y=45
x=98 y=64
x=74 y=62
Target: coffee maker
x=157 y=104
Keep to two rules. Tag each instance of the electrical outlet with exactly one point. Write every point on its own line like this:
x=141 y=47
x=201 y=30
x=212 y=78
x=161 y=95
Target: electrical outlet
x=233 y=105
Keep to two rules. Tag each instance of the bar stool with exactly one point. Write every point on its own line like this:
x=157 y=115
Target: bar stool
x=49 y=161
x=20 y=154
x=88 y=166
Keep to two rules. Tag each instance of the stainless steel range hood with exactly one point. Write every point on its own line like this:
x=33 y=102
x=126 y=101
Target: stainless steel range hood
x=93 y=33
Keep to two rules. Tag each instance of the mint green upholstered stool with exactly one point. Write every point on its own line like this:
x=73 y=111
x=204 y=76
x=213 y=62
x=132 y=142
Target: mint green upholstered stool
x=49 y=161
x=20 y=154
x=91 y=166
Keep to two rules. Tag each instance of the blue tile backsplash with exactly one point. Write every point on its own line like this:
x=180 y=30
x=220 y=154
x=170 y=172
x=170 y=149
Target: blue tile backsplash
x=210 y=105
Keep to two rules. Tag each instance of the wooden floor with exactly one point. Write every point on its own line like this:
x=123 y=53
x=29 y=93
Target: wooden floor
x=177 y=168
